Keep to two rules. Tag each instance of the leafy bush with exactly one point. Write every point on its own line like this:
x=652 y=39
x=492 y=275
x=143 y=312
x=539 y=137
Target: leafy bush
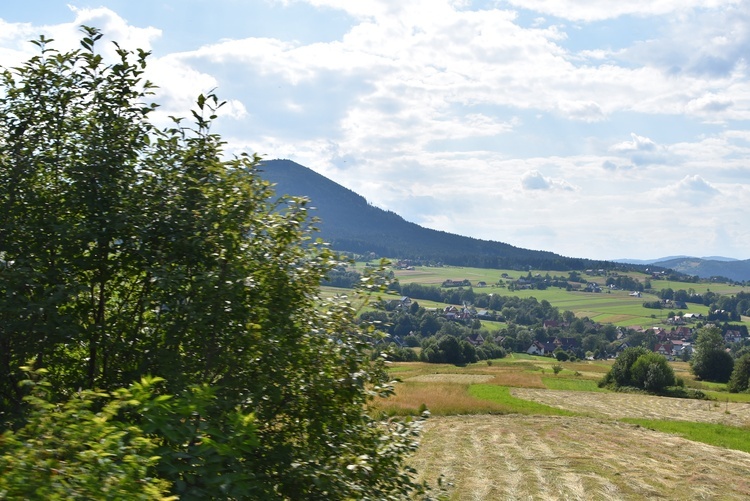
x=652 y=372
x=642 y=369
x=620 y=373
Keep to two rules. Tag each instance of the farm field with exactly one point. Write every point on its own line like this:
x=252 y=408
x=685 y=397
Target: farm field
x=615 y=307
x=513 y=429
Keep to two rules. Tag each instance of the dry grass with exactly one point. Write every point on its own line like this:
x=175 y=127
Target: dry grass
x=562 y=458
x=452 y=378
x=440 y=398
x=622 y=405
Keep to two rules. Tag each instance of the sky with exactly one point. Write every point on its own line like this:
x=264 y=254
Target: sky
x=605 y=130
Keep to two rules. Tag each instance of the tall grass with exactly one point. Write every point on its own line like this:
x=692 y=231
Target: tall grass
x=720 y=435
x=441 y=399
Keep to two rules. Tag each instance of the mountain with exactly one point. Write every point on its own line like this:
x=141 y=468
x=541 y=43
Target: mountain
x=350 y=223
x=647 y=261
x=672 y=258
x=736 y=270
x=703 y=267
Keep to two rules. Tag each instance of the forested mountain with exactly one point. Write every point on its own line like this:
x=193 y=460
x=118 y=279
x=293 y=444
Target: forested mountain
x=349 y=223
x=702 y=267
x=707 y=268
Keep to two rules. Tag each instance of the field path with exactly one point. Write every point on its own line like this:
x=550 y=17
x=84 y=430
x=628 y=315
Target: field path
x=621 y=405
x=513 y=457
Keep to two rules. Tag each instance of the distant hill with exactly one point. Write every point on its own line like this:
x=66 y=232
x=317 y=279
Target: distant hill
x=673 y=258
x=703 y=267
x=706 y=268
x=351 y=224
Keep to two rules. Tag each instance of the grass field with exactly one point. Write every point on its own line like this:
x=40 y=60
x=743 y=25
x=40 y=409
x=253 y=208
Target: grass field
x=514 y=430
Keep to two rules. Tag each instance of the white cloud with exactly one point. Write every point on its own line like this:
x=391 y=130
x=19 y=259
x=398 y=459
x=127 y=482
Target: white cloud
x=641 y=151
x=534 y=180
x=691 y=190
x=586 y=10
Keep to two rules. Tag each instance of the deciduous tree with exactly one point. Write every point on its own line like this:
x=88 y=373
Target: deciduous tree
x=710 y=360
x=740 y=378
x=129 y=250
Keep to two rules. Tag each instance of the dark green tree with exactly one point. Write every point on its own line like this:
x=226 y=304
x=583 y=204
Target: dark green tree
x=127 y=250
x=710 y=360
x=638 y=367
x=740 y=378
x=620 y=374
x=652 y=372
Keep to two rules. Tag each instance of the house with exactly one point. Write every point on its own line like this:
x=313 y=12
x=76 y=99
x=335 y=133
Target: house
x=481 y=284
x=476 y=339
x=485 y=315
x=536 y=348
x=679 y=347
x=621 y=348
x=635 y=294
x=732 y=336
x=666 y=349
x=450 y=312
x=682 y=332
x=539 y=348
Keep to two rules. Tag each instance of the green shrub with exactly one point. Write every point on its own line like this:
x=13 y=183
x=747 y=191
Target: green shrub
x=71 y=450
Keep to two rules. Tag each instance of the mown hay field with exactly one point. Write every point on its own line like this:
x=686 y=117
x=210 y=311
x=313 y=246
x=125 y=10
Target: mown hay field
x=624 y=405
x=573 y=458
x=498 y=432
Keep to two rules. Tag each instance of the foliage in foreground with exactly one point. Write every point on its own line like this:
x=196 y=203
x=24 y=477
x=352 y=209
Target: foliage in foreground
x=73 y=451
x=128 y=251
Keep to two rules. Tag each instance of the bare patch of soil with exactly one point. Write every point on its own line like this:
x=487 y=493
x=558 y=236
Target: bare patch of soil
x=619 y=405
x=513 y=457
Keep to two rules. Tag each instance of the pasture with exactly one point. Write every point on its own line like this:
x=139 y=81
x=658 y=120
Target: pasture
x=513 y=429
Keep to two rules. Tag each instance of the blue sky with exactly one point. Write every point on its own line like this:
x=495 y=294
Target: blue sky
x=603 y=129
